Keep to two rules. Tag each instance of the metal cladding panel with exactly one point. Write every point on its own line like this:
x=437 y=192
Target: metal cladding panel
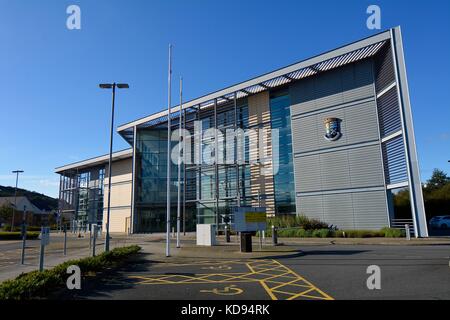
x=358 y=210
x=395 y=161
x=335 y=170
x=307 y=170
x=365 y=167
x=328 y=88
x=333 y=177
x=305 y=133
x=389 y=113
x=346 y=84
x=338 y=210
x=384 y=68
x=358 y=124
x=361 y=123
x=345 y=169
x=302 y=95
x=310 y=206
x=357 y=81
x=371 y=210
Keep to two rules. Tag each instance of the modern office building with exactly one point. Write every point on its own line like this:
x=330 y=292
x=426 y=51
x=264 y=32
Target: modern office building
x=338 y=146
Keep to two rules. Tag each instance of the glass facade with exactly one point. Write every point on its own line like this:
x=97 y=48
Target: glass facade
x=210 y=190
x=216 y=202
x=151 y=181
x=90 y=197
x=399 y=204
x=81 y=195
x=284 y=188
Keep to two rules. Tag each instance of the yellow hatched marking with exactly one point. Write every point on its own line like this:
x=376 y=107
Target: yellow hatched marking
x=269 y=292
x=323 y=294
x=301 y=287
x=290 y=283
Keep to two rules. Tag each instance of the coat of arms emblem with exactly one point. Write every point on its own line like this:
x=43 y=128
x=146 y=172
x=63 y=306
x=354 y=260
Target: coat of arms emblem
x=332 y=129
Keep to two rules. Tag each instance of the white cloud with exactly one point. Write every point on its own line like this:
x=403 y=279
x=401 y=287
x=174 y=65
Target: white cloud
x=49 y=183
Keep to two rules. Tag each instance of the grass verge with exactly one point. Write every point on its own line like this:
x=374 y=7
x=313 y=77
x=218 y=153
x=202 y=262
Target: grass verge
x=37 y=284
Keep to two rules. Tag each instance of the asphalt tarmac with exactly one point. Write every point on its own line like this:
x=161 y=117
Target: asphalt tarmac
x=316 y=272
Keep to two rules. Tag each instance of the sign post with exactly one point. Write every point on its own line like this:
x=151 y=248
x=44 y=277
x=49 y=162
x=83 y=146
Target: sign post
x=45 y=240
x=247 y=221
x=24 y=235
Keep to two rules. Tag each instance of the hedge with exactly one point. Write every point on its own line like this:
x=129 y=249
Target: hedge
x=37 y=284
x=293 y=221
x=327 y=233
x=18 y=235
x=7 y=228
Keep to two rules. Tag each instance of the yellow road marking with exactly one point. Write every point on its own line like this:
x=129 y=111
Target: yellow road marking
x=227 y=291
x=301 y=287
x=328 y=297
x=269 y=292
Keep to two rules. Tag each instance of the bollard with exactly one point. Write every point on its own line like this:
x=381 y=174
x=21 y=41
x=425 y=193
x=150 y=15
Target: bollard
x=94 y=240
x=408 y=233
x=65 y=240
x=227 y=234
x=41 y=258
x=90 y=236
x=274 y=236
x=260 y=241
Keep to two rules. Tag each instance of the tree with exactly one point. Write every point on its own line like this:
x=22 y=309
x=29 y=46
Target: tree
x=438 y=180
x=5 y=214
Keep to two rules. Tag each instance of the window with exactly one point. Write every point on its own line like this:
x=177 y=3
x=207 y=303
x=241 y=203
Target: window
x=284 y=188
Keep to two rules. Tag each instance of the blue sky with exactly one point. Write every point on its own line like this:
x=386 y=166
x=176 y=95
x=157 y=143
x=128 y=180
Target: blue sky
x=52 y=112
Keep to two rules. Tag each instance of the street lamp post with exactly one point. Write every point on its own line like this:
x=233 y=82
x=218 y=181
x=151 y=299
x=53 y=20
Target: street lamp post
x=113 y=87
x=15 y=197
x=168 y=153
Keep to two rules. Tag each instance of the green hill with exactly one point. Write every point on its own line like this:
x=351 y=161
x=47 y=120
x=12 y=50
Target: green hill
x=41 y=201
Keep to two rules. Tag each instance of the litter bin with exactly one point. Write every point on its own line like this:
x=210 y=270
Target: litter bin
x=246 y=242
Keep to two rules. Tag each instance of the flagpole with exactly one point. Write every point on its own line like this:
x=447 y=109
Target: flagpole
x=168 y=152
x=179 y=163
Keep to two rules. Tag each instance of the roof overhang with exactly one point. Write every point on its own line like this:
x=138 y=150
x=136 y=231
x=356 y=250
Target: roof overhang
x=93 y=162
x=332 y=59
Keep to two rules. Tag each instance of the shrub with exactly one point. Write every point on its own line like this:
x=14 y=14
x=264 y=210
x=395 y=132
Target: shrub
x=358 y=234
x=393 y=233
x=327 y=233
x=7 y=228
x=322 y=233
x=302 y=233
x=294 y=221
x=38 y=284
x=18 y=235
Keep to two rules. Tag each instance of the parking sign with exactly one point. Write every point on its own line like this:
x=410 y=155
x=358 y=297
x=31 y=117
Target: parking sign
x=45 y=236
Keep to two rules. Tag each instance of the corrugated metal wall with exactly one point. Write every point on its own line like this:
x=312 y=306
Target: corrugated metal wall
x=339 y=182
x=390 y=118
